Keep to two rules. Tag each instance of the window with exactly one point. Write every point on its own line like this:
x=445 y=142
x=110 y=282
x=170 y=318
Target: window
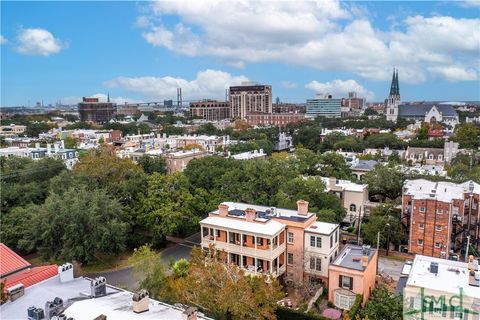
x=312 y=241
x=439 y=211
x=438 y=245
x=353 y=207
x=259 y=241
x=420 y=242
x=290 y=237
x=345 y=282
x=218 y=233
x=315 y=263
x=438 y=227
x=421 y=226
x=319 y=242
x=422 y=209
x=336 y=236
x=331 y=241
x=312 y=263
x=290 y=258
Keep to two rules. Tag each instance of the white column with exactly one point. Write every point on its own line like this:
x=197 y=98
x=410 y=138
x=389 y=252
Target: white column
x=214 y=235
x=256 y=264
x=241 y=260
x=270 y=264
x=278 y=264
x=201 y=233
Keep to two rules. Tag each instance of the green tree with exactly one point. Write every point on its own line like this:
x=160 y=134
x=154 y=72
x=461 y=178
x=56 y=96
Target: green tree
x=221 y=290
x=307 y=161
x=76 y=226
x=384 y=305
x=385 y=219
x=70 y=143
x=334 y=165
x=467 y=135
x=35 y=128
x=152 y=164
x=385 y=180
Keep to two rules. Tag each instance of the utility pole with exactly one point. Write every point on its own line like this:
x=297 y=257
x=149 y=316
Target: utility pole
x=388 y=238
x=378 y=240
x=359 y=225
x=466 y=251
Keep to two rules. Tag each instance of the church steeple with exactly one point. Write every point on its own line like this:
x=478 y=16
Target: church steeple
x=397 y=86
x=392 y=86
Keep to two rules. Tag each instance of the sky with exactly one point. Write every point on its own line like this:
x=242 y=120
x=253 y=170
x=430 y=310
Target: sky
x=143 y=51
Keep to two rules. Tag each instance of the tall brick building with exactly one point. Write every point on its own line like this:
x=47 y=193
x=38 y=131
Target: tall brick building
x=440 y=216
x=210 y=110
x=250 y=98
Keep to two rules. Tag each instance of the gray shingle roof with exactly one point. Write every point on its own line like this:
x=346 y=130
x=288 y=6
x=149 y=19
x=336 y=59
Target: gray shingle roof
x=420 y=110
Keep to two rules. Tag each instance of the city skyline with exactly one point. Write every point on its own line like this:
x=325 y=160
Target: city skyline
x=61 y=51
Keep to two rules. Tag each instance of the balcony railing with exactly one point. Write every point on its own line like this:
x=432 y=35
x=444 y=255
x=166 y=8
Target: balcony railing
x=268 y=253
x=252 y=272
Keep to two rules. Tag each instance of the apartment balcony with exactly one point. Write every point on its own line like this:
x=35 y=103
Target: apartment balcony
x=250 y=270
x=266 y=252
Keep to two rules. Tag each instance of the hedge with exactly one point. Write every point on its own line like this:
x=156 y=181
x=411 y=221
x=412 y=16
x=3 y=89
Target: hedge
x=356 y=306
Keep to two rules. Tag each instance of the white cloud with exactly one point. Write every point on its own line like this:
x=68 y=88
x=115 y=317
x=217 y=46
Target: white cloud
x=3 y=40
x=453 y=74
x=39 y=42
x=207 y=84
x=469 y=3
x=340 y=88
x=101 y=97
x=288 y=85
x=309 y=33
x=142 y=22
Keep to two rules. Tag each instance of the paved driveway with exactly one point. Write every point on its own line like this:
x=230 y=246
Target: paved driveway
x=126 y=278
x=390 y=266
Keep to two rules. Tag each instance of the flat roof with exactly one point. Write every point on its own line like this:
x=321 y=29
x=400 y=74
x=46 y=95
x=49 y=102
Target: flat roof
x=266 y=228
x=447 y=279
x=117 y=304
x=322 y=227
x=442 y=191
x=279 y=213
x=120 y=306
x=345 y=185
x=351 y=257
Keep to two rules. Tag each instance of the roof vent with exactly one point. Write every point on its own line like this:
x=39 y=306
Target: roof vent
x=16 y=291
x=66 y=272
x=98 y=287
x=37 y=313
x=140 y=301
x=434 y=267
x=366 y=250
x=54 y=308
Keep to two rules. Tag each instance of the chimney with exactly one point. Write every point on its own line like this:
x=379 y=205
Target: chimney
x=302 y=207
x=66 y=272
x=332 y=181
x=250 y=214
x=189 y=314
x=140 y=301
x=222 y=210
x=15 y=292
x=364 y=261
x=98 y=287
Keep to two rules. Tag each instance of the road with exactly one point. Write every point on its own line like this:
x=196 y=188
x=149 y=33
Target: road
x=125 y=278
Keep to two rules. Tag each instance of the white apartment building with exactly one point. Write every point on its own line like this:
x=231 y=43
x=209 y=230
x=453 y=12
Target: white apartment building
x=265 y=240
x=442 y=289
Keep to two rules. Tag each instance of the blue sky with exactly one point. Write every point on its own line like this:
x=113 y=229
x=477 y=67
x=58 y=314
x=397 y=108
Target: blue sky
x=143 y=51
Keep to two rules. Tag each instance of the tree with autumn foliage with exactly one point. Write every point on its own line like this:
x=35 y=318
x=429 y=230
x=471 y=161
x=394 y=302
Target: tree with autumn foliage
x=221 y=290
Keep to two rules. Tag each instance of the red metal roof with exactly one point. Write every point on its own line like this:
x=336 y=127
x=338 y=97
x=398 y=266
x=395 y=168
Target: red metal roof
x=32 y=276
x=10 y=262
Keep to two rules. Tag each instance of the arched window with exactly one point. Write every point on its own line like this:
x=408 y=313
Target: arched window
x=353 y=207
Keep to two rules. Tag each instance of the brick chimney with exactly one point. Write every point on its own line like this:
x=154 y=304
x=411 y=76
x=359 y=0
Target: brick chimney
x=364 y=261
x=190 y=314
x=250 y=214
x=302 y=207
x=223 y=210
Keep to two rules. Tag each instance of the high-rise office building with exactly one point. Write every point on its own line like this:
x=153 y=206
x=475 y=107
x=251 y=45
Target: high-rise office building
x=325 y=107
x=91 y=110
x=250 y=98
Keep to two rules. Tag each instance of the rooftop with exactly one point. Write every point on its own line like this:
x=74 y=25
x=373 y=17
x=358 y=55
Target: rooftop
x=351 y=257
x=32 y=276
x=322 y=227
x=422 y=109
x=451 y=276
x=10 y=261
x=264 y=212
x=265 y=227
x=343 y=184
x=364 y=165
x=117 y=304
x=249 y=155
x=441 y=191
